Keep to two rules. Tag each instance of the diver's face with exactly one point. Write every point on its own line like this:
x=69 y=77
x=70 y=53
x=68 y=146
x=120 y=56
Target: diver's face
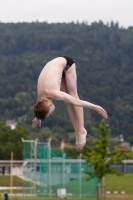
x=51 y=110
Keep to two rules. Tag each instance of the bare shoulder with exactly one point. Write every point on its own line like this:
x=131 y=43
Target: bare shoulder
x=62 y=96
x=56 y=94
x=50 y=93
x=44 y=92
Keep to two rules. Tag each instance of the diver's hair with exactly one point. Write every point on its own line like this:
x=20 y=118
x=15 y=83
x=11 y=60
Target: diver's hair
x=41 y=109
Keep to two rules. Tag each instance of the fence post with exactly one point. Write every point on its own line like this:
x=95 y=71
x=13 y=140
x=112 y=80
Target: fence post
x=100 y=191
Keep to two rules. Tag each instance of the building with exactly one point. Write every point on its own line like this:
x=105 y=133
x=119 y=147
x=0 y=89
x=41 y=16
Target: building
x=14 y=168
x=11 y=123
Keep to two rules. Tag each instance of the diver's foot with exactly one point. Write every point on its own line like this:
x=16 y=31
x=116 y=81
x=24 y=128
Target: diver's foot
x=81 y=140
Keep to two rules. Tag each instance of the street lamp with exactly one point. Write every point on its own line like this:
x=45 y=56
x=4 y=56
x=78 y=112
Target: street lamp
x=64 y=170
x=80 y=171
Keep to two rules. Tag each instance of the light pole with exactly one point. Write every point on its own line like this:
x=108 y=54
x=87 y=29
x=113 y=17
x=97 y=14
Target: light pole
x=35 y=163
x=64 y=170
x=49 y=161
x=80 y=190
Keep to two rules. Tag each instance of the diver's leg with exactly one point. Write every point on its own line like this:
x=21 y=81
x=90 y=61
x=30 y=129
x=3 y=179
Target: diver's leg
x=69 y=107
x=71 y=85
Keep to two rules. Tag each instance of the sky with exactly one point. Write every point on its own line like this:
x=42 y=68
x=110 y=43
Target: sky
x=120 y=11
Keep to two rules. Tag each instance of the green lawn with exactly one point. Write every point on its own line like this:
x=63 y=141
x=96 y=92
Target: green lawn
x=112 y=182
x=120 y=183
x=5 y=181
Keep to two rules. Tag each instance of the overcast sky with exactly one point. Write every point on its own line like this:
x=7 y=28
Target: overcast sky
x=67 y=11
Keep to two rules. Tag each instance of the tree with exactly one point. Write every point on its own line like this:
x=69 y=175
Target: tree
x=100 y=157
x=72 y=152
x=106 y=52
x=10 y=140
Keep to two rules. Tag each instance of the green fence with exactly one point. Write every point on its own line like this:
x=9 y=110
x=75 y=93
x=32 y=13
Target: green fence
x=50 y=173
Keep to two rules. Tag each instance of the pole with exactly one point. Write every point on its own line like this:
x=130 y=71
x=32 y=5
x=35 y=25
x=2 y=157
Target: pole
x=64 y=170
x=80 y=191
x=35 y=163
x=49 y=158
x=11 y=177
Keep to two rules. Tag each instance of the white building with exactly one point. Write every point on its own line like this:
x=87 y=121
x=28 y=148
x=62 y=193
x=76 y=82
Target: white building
x=11 y=123
x=14 y=168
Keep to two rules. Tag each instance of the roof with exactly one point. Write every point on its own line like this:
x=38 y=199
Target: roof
x=9 y=161
x=127 y=161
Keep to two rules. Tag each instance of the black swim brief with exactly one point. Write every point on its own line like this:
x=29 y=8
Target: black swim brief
x=70 y=62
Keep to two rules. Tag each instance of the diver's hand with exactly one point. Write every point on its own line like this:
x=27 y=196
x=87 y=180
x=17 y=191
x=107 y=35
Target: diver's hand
x=36 y=122
x=101 y=111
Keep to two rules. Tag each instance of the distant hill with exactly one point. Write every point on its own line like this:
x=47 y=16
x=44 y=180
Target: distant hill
x=104 y=59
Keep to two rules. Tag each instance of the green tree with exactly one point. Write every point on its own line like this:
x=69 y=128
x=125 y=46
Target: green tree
x=72 y=152
x=101 y=158
x=106 y=52
x=10 y=141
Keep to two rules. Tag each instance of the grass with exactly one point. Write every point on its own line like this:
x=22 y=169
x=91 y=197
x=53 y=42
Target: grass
x=112 y=182
x=5 y=181
x=119 y=183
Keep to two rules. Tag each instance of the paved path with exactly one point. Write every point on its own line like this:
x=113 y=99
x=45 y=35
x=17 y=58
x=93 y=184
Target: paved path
x=120 y=195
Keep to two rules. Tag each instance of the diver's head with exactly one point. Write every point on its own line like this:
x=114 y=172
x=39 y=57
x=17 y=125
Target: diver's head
x=43 y=108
